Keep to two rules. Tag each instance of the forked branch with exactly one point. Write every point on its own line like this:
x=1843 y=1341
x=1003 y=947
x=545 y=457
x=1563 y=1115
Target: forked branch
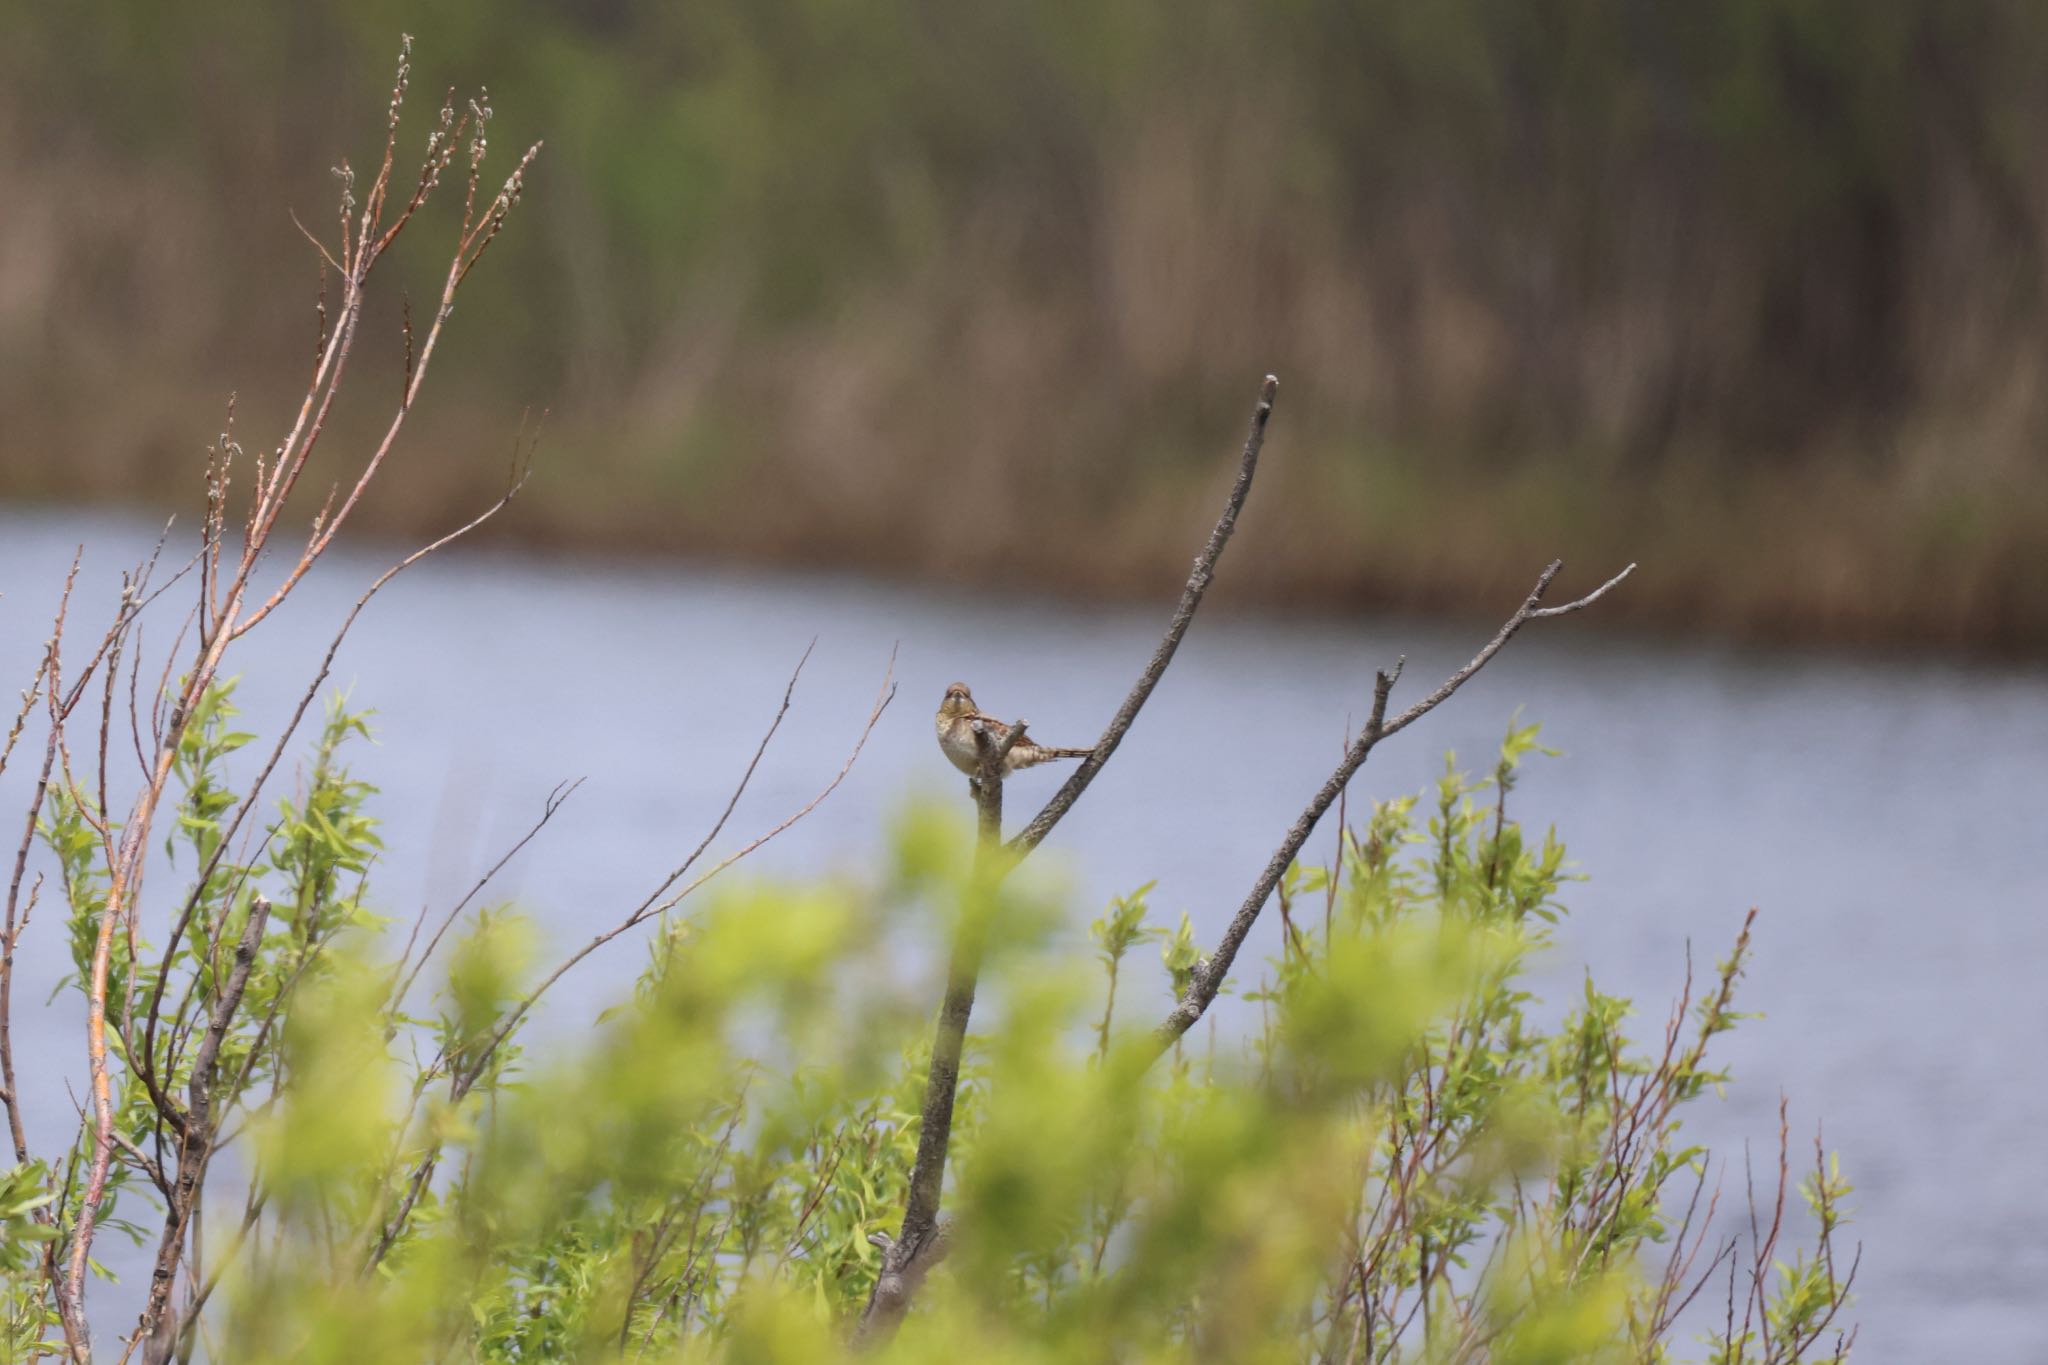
x=909 y=1256
x=664 y=899
x=1209 y=974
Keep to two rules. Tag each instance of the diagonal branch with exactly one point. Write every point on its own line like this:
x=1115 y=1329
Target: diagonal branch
x=1209 y=974
x=659 y=903
x=746 y=778
x=1063 y=800
x=556 y=799
x=1529 y=611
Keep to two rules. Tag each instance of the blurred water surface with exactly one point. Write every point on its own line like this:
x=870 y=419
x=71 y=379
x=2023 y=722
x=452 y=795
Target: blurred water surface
x=1885 y=816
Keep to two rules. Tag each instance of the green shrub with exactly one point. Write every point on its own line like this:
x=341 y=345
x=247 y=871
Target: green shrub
x=1399 y=1160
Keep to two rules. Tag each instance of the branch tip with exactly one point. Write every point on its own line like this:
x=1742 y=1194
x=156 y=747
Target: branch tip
x=1589 y=599
x=1202 y=988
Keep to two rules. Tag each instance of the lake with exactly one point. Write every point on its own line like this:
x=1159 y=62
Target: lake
x=1886 y=815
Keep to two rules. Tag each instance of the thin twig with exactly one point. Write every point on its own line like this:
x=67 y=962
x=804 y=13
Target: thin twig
x=555 y=801
x=883 y=697
x=746 y=778
x=476 y=1063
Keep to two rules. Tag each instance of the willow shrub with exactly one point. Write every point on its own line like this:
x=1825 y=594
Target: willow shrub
x=1398 y=1159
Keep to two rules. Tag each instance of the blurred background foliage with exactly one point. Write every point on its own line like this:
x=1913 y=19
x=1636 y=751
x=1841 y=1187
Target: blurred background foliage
x=1751 y=291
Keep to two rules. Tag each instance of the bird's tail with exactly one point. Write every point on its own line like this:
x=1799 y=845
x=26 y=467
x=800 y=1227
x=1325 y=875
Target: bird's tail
x=1030 y=756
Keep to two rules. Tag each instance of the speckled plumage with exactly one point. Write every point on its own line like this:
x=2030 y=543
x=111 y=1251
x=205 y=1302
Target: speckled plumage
x=958 y=720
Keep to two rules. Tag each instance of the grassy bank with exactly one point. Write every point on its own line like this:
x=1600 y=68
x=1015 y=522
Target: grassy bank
x=1751 y=294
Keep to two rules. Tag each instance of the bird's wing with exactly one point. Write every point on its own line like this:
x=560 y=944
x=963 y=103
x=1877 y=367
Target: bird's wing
x=998 y=728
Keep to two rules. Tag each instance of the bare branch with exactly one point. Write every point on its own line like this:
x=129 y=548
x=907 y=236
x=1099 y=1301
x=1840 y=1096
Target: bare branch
x=906 y=1257
x=325 y=527
x=325 y=256
x=145 y=1059
x=746 y=778
x=555 y=801
x=17 y=913
x=1588 y=600
x=915 y=1249
x=1033 y=834
x=883 y=697
x=1209 y=974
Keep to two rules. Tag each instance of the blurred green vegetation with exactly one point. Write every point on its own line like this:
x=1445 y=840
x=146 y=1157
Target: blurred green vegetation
x=1408 y=1157
x=1749 y=291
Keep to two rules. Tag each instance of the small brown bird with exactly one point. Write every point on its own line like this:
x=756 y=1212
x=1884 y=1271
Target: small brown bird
x=958 y=721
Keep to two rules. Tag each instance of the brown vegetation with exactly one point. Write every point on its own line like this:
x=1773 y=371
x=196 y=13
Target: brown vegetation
x=1756 y=289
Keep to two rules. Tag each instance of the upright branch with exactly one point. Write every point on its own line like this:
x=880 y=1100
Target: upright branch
x=921 y=1242
x=228 y=607
x=198 y=1127
x=18 y=911
x=1209 y=973
x=909 y=1256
